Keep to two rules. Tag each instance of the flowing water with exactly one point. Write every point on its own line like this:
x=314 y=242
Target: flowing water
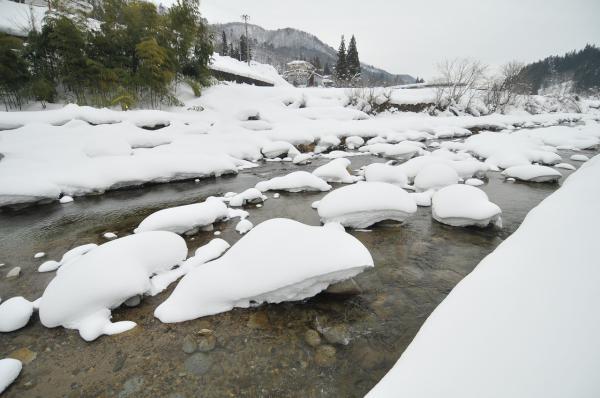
x=246 y=352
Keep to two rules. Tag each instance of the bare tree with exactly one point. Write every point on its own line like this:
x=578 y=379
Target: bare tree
x=502 y=90
x=457 y=82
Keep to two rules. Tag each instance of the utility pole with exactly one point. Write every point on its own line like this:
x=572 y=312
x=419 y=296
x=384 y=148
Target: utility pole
x=245 y=18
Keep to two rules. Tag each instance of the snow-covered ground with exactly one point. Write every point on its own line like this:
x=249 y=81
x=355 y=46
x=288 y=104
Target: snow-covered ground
x=524 y=323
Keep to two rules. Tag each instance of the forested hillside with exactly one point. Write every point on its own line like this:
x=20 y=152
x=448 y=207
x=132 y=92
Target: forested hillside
x=578 y=71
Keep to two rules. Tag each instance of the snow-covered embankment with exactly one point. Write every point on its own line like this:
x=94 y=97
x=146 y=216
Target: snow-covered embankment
x=525 y=322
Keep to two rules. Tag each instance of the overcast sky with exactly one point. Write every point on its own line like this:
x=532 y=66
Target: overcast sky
x=413 y=36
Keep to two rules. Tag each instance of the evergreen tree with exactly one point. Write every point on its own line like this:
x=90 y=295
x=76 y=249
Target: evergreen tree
x=243 y=48
x=327 y=69
x=352 y=62
x=224 y=46
x=341 y=66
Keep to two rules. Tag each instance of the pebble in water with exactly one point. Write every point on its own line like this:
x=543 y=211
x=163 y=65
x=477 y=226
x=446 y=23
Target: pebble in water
x=198 y=363
x=312 y=338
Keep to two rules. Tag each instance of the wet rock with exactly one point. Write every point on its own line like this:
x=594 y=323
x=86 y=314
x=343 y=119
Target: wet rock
x=189 y=345
x=120 y=362
x=258 y=320
x=14 y=273
x=312 y=338
x=132 y=387
x=338 y=334
x=207 y=343
x=133 y=301
x=24 y=355
x=348 y=287
x=325 y=356
x=198 y=364
x=367 y=357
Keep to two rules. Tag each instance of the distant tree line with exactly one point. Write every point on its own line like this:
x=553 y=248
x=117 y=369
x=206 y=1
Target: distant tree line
x=126 y=52
x=242 y=50
x=347 y=70
x=582 y=68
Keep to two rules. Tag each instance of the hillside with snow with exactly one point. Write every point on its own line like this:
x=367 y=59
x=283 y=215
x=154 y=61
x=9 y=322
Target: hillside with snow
x=278 y=47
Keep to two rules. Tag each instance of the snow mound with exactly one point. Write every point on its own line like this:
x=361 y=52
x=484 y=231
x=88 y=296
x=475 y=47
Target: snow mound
x=463 y=205
x=278 y=260
x=297 y=181
x=533 y=173
x=364 y=204
x=82 y=295
x=9 y=371
x=15 y=313
x=336 y=171
x=435 y=176
x=380 y=172
x=188 y=218
x=532 y=300
x=243 y=226
x=250 y=195
x=450 y=132
x=579 y=158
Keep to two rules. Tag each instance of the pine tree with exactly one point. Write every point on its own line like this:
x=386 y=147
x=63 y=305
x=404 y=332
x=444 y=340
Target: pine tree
x=327 y=69
x=316 y=63
x=352 y=61
x=224 y=46
x=341 y=66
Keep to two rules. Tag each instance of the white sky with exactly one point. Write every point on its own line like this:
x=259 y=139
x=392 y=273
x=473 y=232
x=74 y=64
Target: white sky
x=413 y=36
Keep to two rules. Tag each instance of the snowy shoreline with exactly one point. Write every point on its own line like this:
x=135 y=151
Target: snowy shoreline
x=81 y=150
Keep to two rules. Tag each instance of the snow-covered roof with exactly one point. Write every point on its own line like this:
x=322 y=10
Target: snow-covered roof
x=255 y=70
x=17 y=19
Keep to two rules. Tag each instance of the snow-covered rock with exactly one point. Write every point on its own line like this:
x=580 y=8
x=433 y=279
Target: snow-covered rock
x=532 y=300
x=243 y=226
x=354 y=142
x=15 y=313
x=566 y=166
x=188 y=218
x=364 y=204
x=9 y=371
x=276 y=149
x=475 y=182
x=39 y=255
x=303 y=158
x=250 y=195
x=278 y=260
x=533 y=173
x=66 y=199
x=69 y=256
x=109 y=235
x=326 y=142
x=462 y=205
x=579 y=158
x=294 y=182
x=82 y=294
x=336 y=171
x=380 y=172
x=435 y=176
